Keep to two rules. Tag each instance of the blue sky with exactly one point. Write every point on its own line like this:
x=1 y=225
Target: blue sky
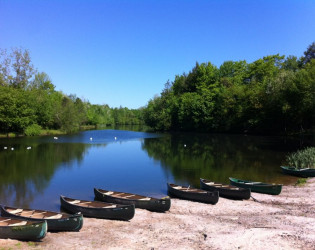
x=121 y=53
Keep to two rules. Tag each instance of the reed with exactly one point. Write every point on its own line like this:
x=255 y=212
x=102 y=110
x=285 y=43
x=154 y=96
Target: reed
x=304 y=158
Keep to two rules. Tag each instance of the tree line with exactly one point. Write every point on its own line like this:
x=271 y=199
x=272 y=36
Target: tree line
x=30 y=103
x=274 y=94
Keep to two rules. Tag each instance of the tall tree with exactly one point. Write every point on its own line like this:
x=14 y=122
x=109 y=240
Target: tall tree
x=309 y=54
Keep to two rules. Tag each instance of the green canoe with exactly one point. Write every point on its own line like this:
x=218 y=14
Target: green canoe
x=22 y=229
x=56 y=221
x=258 y=187
x=300 y=172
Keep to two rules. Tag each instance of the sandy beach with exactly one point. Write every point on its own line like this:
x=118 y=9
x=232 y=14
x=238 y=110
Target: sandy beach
x=286 y=221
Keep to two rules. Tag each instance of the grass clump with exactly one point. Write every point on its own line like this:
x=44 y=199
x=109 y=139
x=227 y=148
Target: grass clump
x=301 y=182
x=304 y=158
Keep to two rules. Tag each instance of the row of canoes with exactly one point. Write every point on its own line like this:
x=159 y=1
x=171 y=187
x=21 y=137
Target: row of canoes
x=32 y=224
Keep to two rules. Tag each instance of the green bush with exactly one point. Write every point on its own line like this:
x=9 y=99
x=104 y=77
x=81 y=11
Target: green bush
x=304 y=158
x=33 y=130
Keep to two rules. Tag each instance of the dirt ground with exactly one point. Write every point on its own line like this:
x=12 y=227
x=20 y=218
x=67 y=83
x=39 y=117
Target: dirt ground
x=286 y=221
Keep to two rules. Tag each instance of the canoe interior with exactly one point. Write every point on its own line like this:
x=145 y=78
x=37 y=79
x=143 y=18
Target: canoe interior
x=187 y=189
x=14 y=222
x=36 y=214
x=249 y=183
x=91 y=204
x=220 y=185
x=126 y=196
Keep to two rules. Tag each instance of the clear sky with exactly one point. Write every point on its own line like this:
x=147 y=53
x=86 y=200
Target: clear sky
x=121 y=53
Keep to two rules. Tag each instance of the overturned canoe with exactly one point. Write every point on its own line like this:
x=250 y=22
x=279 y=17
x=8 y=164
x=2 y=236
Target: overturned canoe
x=55 y=221
x=226 y=191
x=98 y=209
x=22 y=229
x=193 y=194
x=149 y=203
x=300 y=172
x=258 y=187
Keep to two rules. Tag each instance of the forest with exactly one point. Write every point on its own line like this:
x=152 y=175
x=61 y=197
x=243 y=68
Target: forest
x=30 y=103
x=272 y=95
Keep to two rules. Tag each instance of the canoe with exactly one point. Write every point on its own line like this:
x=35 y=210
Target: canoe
x=139 y=201
x=22 y=229
x=303 y=172
x=258 y=187
x=193 y=194
x=98 y=209
x=55 y=221
x=226 y=191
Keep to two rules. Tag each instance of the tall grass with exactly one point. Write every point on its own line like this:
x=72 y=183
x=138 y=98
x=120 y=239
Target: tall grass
x=304 y=158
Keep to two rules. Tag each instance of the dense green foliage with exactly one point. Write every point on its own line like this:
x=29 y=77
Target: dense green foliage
x=275 y=94
x=30 y=102
x=304 y=158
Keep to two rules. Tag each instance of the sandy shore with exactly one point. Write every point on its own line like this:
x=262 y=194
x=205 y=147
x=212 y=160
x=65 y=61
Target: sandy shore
x=286 y=221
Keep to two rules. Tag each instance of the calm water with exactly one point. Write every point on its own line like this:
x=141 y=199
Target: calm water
x=132 y=161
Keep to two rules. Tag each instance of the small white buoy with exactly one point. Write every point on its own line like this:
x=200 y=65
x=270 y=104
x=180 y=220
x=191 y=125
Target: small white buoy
x=12 y=148
x=184 y=145
x=56 y=138
x=28 y=148
x=91 y=138
x=5 y=148
x=115 y=138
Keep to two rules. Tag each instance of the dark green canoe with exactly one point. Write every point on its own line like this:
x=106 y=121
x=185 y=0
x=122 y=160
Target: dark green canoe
x=300 y=172
x=258 y=187
x=98 y=209
x=139 y=201
x=193 y=194
x=22 y=229
x=55 y=221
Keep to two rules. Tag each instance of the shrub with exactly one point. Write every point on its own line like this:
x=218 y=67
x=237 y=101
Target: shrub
x=33 y=130
x=304 y=158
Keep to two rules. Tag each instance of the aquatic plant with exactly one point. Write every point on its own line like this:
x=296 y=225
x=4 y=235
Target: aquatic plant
x=304 y=158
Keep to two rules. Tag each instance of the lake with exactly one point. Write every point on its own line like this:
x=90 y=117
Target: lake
x=133 y=161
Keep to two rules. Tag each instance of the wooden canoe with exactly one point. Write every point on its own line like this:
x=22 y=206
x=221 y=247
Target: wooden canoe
x=22 y=229
x=258 y=187
x=149 y=203
x=226 y=191
x=55 y=221
x=98 y=209
x=303 y=172
x=193 y=194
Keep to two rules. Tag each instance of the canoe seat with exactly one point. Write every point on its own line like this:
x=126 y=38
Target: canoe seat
x=178 y=187
x=22 y=223
x=209 y=183
x=57 y=216
x=145 y=199
x=39 y=215
x=74 y=202
x=108 y=193
x=15 y=211
x=112 y=206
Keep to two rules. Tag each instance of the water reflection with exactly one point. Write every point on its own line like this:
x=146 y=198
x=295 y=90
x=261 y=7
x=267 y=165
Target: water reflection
x=26 y=173
x=191 y=156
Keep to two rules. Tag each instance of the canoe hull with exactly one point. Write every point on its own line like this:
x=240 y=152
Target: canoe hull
x=263 y=188
x=118 y=213
x=73 y=222
x=298 y=172
x=34 y=231
x=208 y=197
x=155 y=205
x=229 y=193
